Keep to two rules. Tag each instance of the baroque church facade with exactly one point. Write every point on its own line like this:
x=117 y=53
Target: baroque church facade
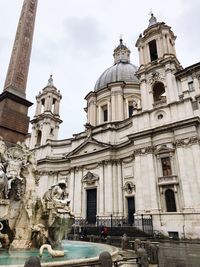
x=140 y=150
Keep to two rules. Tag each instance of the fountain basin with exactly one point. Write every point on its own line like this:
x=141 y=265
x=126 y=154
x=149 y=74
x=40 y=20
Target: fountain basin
x=75 y=252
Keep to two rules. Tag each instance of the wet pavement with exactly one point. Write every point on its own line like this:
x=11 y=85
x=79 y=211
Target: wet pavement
x=179 y=254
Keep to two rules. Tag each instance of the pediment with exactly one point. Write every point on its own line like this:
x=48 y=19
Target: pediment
x=163 y=149
x=88 y=147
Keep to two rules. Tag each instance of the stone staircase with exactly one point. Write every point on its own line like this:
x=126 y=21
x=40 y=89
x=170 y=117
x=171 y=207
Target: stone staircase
x=92 y=233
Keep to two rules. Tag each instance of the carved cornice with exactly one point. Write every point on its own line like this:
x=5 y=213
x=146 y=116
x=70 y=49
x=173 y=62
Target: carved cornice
x=155 y=76
x=144 y=150
x=187 y=141
x=129 y=159
x=91 y=166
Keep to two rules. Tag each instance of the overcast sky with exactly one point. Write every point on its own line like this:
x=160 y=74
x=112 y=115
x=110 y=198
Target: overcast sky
x=74 y=40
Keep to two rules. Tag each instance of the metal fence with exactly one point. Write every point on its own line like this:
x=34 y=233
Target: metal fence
x=143 y=222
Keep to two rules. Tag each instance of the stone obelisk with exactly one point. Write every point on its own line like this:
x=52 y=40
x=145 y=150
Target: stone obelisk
x=13 y=103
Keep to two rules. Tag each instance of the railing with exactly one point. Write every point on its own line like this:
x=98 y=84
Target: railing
x=111 y=221
x=160 y=102
x=143 y=222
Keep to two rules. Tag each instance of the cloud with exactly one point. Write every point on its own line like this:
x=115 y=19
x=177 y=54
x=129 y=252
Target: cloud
x=188 y=39
x=83 y=36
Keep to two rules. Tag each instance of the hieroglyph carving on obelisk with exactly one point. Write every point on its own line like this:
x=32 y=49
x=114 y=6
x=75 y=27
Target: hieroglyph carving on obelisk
x=17 y=74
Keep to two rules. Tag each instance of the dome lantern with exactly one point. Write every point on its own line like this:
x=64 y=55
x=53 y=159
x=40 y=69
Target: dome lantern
x=121 y=53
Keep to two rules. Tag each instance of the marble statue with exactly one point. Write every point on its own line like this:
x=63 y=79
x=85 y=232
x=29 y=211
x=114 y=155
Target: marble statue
x=60 y=218
x=30 y=222
x=3 y=183
x=58 y=196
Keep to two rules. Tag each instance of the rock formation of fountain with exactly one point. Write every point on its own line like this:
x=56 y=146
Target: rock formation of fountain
x=25 y=220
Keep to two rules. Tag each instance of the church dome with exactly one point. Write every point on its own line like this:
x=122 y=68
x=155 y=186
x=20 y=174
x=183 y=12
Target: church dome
x=121 y=71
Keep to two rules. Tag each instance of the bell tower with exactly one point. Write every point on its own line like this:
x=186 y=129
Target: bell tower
x=46 y=122
x=14 y=106
x=158 y=64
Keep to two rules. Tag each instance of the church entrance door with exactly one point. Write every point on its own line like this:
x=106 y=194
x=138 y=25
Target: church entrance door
x=91 y=206
x=131 y=210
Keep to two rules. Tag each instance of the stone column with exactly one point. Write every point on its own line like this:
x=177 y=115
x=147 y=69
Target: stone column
x=56 y=132
x=171 y=89
x=33 y=138
x=113 y=106
x=196 y=159
x=139 y=206
x=109 y=110
x=72 y=188
x=115 y=189
x=101 y=189
x=38 y=107
x=108 y=189
x=99 y=114
x=192 y=160
x=119 y=187
x=78 y=191
x=92 y=113
x=144 y=93
x=57 y=107
x=184 y=179
x=141 y=56
x=45 y=132
x=159 y=48
x=120 y=106
x=196 y=85
x=152 y=182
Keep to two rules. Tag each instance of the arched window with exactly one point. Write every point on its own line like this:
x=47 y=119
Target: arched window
x=170 y=200
x=39 y=137
x=159 y=92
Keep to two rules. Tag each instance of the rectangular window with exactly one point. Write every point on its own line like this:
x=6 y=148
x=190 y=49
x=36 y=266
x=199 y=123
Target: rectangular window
x=195 y=105
x=166 y=166
x=130 y=110
x=105 y=115
x=153 y=50
x=191 y=86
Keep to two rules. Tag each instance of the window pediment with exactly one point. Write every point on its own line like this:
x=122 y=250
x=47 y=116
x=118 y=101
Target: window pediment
x=90 y=178
x=164 y=150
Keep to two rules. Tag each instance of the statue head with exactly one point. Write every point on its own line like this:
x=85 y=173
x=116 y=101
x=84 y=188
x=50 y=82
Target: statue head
x=62 y=184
